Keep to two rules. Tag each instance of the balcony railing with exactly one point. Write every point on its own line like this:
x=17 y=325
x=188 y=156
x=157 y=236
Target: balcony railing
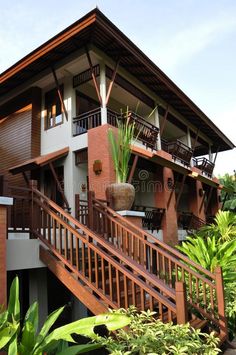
x=86 y=121
x=178 y=150
x=205 y=165
x=147 y=132
x=188 y=221
x=153 y=217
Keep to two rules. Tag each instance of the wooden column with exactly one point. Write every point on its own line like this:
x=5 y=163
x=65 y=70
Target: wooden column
x=221 y=302
x=4 y=202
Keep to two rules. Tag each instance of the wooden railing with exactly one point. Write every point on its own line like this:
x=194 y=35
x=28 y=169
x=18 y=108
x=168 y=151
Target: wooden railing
x=110 y=275
x=153 y=217
x=178 y=150
x=189 y=221
x=19 y=214
x=147 y=132
x=86 y=121
x=204 y=289
x=205 y=165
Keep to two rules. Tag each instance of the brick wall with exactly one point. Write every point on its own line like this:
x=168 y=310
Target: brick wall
x=99 y=149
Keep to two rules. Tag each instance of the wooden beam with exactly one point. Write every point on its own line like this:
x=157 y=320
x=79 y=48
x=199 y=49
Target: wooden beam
x=195 y=140
x=180 y=191
x=208 y=199
x=59 y=186
x=216 y=155
x=59 y=93
x=164 y=121
x=172 y=191
x=112 y=81
x=93 y=75
x=133 y=169
x=27 y=180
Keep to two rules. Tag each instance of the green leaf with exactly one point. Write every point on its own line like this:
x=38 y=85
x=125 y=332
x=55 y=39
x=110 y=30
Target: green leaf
x=51 y=319
x=30 y=327
x=79 y=349
x=14 y=303
x=6 y=335
x=12 y=350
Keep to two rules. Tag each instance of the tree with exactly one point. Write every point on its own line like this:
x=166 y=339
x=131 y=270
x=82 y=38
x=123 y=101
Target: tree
x=229 y=194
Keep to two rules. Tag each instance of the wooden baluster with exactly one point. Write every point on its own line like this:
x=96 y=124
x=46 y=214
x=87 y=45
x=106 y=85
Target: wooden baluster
x=71 y=247
x=118 y=287
x=110 y=281
x=103 y=277
x=77 y=253
x=126 y=296
x=96 y=266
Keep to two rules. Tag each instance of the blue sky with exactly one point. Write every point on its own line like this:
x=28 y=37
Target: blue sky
x=192 y=41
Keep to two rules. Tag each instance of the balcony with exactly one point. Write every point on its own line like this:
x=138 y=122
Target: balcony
x=153 y=217
x=147 y=132
x=188 y=221
x=179 y=151
x=205 y=165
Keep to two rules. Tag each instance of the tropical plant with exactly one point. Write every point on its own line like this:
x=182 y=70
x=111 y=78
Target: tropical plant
x=208 y=253
x=146 y=335
x=230 y=307
x=229 y=193
x=223 y=228
x=121 y=146
x=26 y=340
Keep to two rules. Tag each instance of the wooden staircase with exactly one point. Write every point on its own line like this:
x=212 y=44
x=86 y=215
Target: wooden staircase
x=116 y=264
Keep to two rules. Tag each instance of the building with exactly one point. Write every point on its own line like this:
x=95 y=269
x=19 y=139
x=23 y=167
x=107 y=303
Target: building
x=55 y=109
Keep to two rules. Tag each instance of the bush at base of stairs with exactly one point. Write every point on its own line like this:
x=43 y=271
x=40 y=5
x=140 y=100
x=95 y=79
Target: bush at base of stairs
x=146 y=335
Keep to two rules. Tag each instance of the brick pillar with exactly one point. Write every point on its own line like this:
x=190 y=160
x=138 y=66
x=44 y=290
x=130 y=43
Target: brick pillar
x=99 y=149
x=4 y=202
x=196 y=196
x=165 y=198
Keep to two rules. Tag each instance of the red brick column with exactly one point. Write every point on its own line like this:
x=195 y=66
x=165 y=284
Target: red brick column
x=99 y=149
x=165 y=198
x=4 y=201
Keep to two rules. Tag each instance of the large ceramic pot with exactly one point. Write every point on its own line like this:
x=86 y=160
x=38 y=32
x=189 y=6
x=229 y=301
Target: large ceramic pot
x=120 y=196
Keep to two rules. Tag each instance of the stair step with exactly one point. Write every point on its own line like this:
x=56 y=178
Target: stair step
x=198 y=323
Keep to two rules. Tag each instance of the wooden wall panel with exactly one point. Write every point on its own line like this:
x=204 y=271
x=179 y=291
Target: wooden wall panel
x=15 y=142
x=20 y=132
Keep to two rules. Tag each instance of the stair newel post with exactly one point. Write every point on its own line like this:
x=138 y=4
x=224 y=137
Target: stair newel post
x=181 y=302
x=221 y=302
x=91 y=196
x=34 y=216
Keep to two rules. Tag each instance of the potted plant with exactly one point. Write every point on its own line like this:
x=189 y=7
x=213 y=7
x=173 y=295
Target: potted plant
x=121 y=194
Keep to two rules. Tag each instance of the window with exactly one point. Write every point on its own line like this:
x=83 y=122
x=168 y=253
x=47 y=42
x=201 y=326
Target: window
x=53 y=108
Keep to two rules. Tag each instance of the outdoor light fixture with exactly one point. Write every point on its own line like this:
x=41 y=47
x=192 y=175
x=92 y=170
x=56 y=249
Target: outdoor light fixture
x=97 y=167
x=170 y=183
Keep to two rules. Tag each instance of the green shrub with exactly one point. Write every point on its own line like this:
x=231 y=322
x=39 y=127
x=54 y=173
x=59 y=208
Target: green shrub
x=146 y=335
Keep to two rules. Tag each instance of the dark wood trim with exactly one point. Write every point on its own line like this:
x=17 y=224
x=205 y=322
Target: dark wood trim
x=112 y=80
x=59 y=185
x=59 y=93
x=135 y=161
x=164 y=121
x=93 y=75
x=132 y=89
x=180 y=191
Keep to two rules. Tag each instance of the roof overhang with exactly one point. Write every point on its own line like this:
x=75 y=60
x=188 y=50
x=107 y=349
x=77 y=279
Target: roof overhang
x=94 y=28
x=39 y=161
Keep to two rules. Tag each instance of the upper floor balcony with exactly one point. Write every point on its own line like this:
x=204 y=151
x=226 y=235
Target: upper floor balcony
x=146 y=132
x=148 y=135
